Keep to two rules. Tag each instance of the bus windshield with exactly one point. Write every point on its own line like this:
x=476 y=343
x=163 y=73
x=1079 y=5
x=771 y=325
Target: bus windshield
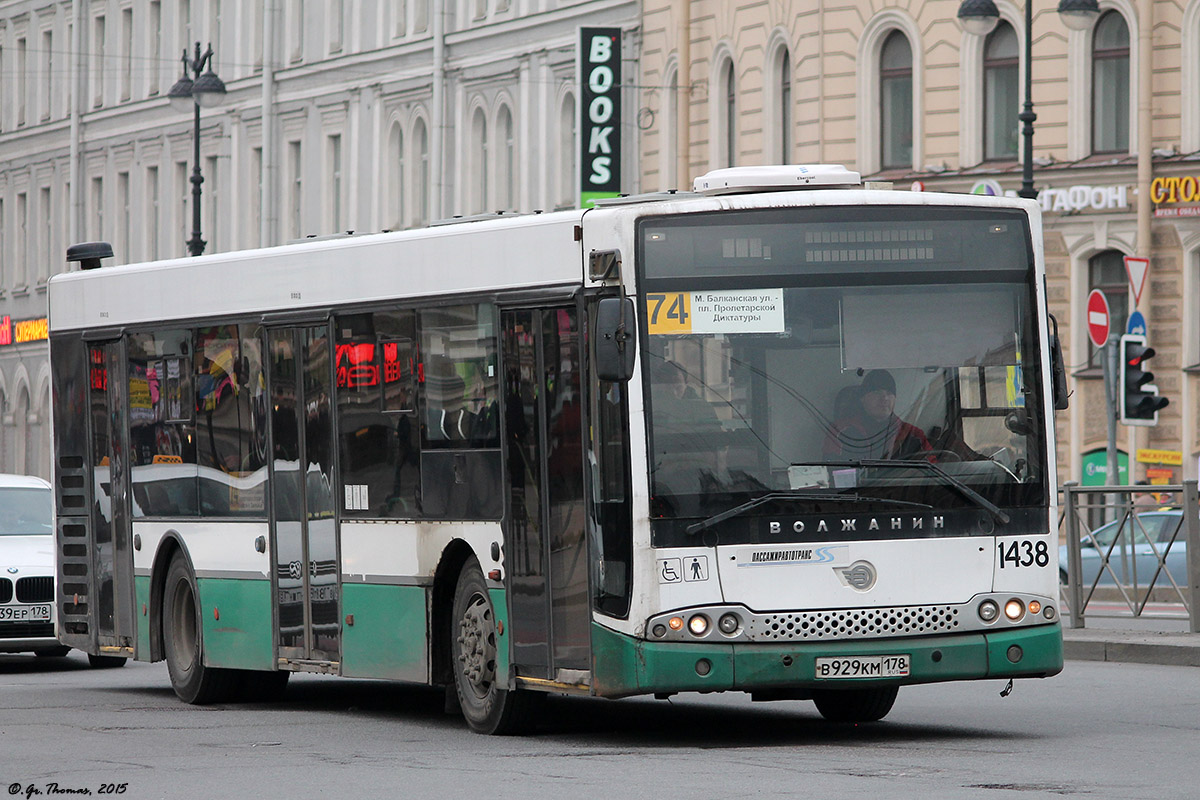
x=815 y=381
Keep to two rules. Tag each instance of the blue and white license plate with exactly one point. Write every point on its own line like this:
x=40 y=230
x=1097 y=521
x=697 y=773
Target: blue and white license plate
x=893 y=666
x=38 y=613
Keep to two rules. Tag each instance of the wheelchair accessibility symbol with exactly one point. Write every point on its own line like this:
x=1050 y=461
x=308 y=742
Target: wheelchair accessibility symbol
x=677 y=570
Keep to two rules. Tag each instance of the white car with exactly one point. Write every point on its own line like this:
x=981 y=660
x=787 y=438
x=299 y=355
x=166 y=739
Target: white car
x=27 y=602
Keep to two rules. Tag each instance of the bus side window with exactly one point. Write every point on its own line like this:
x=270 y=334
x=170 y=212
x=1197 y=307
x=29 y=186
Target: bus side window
x=376 y=411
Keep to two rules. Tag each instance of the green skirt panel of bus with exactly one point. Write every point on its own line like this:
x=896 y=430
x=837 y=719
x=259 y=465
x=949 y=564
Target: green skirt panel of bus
x=385 y=634
x=235 y=615
x=236 y=619
x=627 y=666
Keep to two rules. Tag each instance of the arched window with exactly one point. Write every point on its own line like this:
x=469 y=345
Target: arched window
x=566 y=153
x=1110 y=84
x=784 y=100
x=729 y=128
x=479 y=165
x=669 y=132
x=506 y=179
x=1106 y=272
x=1001 y=100
x=396 y=179
x=896 y=102
x=421 y=158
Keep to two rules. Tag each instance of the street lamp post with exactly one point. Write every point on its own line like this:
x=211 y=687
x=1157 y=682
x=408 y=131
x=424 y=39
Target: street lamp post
x=979 y=17
x=207 y=91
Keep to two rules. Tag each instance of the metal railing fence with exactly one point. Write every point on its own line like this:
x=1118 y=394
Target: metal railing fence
x=1128 y=547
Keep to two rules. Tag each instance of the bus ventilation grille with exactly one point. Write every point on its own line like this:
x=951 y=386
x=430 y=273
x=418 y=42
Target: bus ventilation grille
x=855 y=623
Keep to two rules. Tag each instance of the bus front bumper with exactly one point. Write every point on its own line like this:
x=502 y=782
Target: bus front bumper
x=624 y=665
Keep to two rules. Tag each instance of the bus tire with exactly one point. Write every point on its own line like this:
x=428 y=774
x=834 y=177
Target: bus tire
x=183 y=641
x=486 y=706
x=106 y=662
x=855 y=705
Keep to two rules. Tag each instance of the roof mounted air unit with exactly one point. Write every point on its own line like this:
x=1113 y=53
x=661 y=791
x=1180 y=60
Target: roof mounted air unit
x=785 y=177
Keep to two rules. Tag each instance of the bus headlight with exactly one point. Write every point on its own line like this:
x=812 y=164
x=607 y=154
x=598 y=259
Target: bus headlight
x=698 y=625
x=728 y=624
x=1014 y=609
x=988 y=610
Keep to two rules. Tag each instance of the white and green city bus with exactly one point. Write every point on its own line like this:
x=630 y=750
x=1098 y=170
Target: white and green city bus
x=608 y=452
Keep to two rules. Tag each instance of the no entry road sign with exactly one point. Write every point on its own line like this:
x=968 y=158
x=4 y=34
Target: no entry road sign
x=1097 y=317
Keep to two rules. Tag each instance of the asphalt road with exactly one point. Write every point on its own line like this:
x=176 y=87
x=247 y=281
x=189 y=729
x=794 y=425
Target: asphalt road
x=1099 y=730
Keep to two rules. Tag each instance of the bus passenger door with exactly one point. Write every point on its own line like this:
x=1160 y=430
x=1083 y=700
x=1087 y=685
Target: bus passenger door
x=304 y=531
x=545 y=547
x=112 y=557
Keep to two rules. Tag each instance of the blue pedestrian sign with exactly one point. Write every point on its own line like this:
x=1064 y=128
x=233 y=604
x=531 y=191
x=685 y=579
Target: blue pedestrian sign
x=1137 y=324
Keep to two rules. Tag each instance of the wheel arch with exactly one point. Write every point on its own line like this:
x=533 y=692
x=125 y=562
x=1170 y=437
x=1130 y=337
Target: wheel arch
x=170 y=544
x=441 y=602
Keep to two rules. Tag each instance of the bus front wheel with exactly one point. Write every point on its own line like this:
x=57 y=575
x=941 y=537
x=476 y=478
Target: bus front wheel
x=486 y=706
x=183 y=641
x=855 y=705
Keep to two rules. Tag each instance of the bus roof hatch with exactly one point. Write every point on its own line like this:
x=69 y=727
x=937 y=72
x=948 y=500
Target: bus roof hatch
x=775 y=178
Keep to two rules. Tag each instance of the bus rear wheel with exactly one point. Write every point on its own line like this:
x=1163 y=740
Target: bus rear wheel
x=855 y=705
x=183 y=641
x=486 y=706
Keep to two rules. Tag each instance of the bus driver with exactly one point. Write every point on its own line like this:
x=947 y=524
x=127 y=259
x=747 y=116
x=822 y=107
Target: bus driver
x=873 y=430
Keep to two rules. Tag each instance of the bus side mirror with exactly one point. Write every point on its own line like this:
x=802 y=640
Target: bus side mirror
x=615 y=339
x=1058 y=370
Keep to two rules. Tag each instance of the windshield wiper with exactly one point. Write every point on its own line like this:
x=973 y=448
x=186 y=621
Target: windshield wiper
x=763 y=499
x=900 y=463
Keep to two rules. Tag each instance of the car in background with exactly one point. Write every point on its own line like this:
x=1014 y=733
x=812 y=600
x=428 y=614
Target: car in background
x=27 y=607
x=1144 y=538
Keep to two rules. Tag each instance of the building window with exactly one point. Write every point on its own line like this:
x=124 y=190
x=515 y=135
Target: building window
x=98 y=61
x=126 y=54
x=256 y=197
x=729 y=121
x=296 y=190
x=336 y=25
x=335 y=184
x=567 y=148
x=211 y=196
x=506 y=180
x=896 y=98
x=784 y=101
x=22 y=77
x=21 y=278
x=670 y=132
x=296 y=29
x=155 y=26
x=399 y=18
x=97 y=216
x=152 y=213
x=479 y=160
x=123 y=219
x=47 y=75
x=1110 y=84
x=396 y=189
x=421 y=194
x=46 y=212
x=1106 y=272
x=1001 y=102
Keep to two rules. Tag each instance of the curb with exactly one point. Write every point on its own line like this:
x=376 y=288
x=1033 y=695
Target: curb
x=1167 y=649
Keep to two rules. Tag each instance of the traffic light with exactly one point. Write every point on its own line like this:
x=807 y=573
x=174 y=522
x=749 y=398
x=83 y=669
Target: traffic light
x=1140 y=402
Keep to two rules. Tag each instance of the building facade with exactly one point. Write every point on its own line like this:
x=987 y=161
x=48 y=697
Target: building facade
x=901 y=92
x=339 y=115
